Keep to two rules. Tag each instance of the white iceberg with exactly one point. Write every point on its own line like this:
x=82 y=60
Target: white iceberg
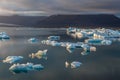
x=40 y=54
x=19 y=68
x=12 y=59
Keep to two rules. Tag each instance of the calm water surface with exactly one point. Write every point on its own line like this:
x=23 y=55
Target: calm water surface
x=104 y=64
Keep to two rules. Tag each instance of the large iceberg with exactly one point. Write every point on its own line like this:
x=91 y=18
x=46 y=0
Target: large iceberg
x=19 y=68
x=103 y=33
x=40 y=54
x=12 y=59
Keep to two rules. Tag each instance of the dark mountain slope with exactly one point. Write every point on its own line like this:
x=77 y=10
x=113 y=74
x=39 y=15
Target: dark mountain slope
x=80 y=20
x=21 y=20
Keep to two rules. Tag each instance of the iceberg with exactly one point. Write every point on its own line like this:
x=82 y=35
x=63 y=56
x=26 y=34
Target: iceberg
x=54 y=38
x=106 y=42
x=98 y=42
x=87 y=49
x=71 y=30
x=4 y=36
x=70 y=48
x=40 y=54
x=33 y=40
x=24 y=68
x=12 y=59
x=75 y=64
x=67 y=64
x=103 y=33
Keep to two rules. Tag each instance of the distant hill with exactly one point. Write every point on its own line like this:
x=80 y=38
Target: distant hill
x=100 y=20
x=21 y=20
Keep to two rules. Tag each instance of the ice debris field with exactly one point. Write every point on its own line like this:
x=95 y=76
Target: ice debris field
x=93 y=38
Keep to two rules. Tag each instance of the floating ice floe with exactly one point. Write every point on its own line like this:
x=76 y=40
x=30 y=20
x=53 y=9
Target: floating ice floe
x=103 y=33
x=70 y=47
x=55 y=43
x=12 y=59
x=4 y=36
x=19 y=68
x=98 y=42
x=54 y=37
x=74 y=64
x=40 y=54
x=51 y=43
x=33 y=40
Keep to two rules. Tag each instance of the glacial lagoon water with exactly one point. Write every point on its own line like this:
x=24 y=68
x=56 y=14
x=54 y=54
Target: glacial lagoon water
x=104 y=64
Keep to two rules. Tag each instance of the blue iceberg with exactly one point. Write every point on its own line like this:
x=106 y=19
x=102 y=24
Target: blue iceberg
x=24 y=68
x=4 y=36
x=33 y=40
x=12 y=59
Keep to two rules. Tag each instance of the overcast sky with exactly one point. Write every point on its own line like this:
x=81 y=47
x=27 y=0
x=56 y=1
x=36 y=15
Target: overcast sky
x=49 y=7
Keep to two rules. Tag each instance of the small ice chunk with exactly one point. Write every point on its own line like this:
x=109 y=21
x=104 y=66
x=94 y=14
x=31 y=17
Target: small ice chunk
x=12 y=59
x=93 y=41
x=19 y=68
x=4 y=36
x=86 y=50
x=106 y=42
x=70 y=48
x=54 y=37
x=92 y=48
x=33 y=40
x=85 y=53
x=40 y=54
x=66 y=64
x=75 y=64
x=55 y=43
x=38 y=67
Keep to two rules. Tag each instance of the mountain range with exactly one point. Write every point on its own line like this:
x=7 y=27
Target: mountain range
x=95 y=20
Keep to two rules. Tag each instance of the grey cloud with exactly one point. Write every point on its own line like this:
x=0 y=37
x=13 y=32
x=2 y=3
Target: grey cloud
x=62 y=6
